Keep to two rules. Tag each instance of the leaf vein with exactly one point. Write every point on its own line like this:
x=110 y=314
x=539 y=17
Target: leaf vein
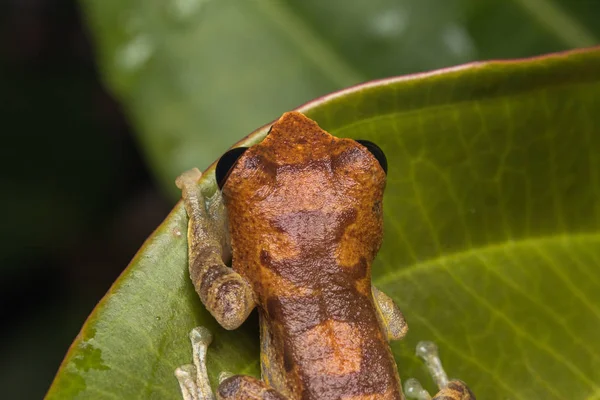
x=517 y=329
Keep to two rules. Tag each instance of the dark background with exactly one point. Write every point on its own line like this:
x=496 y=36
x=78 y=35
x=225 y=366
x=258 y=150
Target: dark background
x=77 y=200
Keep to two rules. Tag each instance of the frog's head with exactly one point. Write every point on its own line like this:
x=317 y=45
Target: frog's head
x=296 y=142
x=301 y=173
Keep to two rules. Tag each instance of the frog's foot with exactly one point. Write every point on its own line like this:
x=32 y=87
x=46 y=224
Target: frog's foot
x=449 y=390
x=193 y=379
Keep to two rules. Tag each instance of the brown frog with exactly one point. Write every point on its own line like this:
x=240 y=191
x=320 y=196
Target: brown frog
x=301 y=216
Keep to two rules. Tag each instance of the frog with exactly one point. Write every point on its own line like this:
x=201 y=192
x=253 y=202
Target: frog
x=292 y=231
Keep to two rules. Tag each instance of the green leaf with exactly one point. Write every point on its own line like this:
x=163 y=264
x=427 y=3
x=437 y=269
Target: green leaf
x=491 y=248
x=195 y=75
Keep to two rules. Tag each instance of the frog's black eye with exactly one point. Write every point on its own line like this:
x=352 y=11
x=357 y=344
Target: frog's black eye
x=226 y=163
x=377 y=152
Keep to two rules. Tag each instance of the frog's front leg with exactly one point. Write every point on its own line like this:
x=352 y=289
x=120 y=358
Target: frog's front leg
x=224 y=293
x=449 y=389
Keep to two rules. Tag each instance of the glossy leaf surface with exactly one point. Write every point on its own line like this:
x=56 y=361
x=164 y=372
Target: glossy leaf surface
x=491 y=249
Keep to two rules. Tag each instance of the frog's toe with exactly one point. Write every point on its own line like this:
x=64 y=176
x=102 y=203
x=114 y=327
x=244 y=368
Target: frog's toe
x=225 y=375
x=200 y=336
x=188 y=178
x=186 y=376
x=193 y=379
x=449 y=389
x=414 y=390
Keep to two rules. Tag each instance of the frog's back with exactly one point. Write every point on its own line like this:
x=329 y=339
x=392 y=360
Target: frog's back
x=305 y=213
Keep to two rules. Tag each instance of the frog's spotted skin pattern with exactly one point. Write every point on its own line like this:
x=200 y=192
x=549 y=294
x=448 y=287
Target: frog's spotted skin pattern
x=305 y=216
x=305 y=223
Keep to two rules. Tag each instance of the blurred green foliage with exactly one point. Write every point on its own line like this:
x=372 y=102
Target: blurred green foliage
x=194 y=76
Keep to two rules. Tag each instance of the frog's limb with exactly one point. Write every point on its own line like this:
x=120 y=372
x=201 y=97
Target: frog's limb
x=193 y=379
x=449 y=390
x=241 y=387
x=226 y=295
x=390 y=316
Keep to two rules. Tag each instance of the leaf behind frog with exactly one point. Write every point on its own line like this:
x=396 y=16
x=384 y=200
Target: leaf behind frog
x=491 y=248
